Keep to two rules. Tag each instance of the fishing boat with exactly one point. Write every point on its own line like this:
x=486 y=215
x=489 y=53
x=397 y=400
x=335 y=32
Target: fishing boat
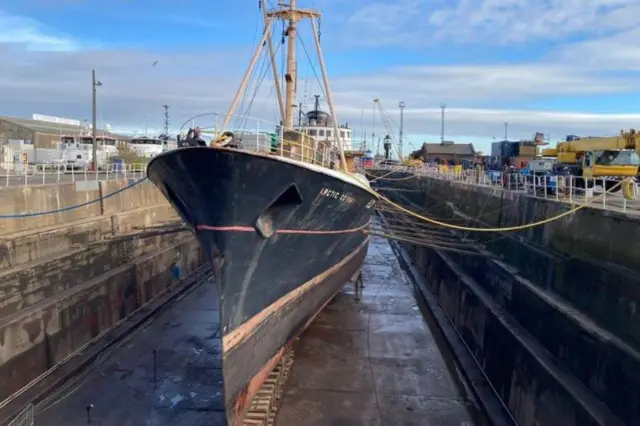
x=284 y=229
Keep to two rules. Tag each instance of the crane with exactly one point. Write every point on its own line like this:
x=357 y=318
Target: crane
x=390 y=137
x=613 y=157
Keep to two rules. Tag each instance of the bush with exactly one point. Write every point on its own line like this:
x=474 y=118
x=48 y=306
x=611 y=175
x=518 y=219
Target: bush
x=129 y=156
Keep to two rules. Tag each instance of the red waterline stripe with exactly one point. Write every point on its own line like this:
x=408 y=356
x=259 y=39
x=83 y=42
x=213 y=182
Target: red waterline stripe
x=279 y=231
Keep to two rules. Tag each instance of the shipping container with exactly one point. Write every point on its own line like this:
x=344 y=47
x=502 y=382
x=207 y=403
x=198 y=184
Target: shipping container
x=527 y=150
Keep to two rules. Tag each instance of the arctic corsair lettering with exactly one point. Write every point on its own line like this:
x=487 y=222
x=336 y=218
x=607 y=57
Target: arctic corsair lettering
x=330 y=193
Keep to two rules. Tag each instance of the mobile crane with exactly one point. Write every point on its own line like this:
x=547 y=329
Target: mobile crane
x=612 y=158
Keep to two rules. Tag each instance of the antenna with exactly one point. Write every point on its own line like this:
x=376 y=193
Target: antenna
x=166 y=119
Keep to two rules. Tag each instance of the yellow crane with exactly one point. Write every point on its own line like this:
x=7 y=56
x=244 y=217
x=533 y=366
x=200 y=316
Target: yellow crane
x=612 y=158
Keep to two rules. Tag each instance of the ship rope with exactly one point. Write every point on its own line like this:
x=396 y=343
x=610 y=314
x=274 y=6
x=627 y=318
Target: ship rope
x=399 y=226
x=452 y=226
x=312 y=65
x=261 y=71
x=74 y=207
x=373 y=178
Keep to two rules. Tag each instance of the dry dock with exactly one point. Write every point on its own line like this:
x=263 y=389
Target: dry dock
x=367 y=362
x=374 y=361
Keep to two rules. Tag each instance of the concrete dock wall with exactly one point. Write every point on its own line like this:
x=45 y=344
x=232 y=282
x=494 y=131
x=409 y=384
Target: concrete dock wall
x=65 y=278
x=590 y=257
x=17 y=200
x=529 y=381
x=36 y=338
x=548 y=312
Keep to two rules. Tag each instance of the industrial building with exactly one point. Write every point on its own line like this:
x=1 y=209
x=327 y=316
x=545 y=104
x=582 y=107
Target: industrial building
x=446 y=152
x=46 y=132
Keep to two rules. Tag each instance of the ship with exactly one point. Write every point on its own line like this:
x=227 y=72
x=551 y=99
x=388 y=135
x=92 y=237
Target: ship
x=284 y=229
x=319 y=125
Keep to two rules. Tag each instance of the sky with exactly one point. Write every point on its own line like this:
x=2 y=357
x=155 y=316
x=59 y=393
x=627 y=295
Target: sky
x=554 y=66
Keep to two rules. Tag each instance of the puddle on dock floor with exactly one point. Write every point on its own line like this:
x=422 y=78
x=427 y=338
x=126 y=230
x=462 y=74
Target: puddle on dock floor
x=376 y=361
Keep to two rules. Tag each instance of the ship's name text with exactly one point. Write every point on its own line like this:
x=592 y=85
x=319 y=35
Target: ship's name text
x=330 y=193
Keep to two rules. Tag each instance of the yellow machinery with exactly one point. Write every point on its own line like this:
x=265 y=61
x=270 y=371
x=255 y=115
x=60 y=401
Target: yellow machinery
x=413 y=162
x=598 y=157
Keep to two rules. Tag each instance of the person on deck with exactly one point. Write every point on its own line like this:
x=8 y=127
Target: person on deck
x=192 y=139
x=197 y=136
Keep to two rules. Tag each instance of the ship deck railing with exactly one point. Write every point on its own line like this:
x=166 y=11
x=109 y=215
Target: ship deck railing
x=569 y=189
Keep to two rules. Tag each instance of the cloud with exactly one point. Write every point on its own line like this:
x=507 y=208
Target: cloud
x=497 y=22
x=28 y=33
x=460 y=122
x=478 y=84
x=619 y=52
x=501 y=21
x=57 y=81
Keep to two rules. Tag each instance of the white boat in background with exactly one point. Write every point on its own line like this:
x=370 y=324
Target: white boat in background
x=149 y=147
x=105 y=143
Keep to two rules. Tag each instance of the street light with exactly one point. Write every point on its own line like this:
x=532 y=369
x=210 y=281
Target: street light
x=442 y=106
x=401 y=105
x=94 y=86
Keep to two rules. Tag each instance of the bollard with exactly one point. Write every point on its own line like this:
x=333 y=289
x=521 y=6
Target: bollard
x=89 y=407
x=176 y=271
x=155 y=369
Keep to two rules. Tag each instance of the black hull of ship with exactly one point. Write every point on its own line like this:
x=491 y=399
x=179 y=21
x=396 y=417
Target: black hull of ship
x=283 y=238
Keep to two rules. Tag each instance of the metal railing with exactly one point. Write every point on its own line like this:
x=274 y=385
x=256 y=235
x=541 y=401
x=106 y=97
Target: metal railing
x=568 y=189
x=250 y=133
x=24 y=418
x=13 y=174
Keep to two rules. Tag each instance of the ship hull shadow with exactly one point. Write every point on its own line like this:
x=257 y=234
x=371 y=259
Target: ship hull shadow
x=283 y=238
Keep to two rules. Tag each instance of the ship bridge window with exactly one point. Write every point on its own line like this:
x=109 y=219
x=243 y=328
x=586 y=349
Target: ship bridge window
x=328 y=133
x=313 y=132
x=342 y=134
x=321 y=132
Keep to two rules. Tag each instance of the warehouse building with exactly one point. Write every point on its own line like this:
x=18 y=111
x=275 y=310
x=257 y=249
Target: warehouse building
x=46 y=133
x=446 y=152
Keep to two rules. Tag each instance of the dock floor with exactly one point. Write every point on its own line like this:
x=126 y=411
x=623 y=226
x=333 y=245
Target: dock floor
x=120 y=385
x=374 y=361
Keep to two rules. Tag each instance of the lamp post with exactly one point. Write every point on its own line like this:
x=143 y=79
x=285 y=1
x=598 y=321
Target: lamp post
x=401 y=105
x=94 y=86
x=442 y=106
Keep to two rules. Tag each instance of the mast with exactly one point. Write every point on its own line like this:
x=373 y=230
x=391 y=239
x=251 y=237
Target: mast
x=332 y=111
x=247 y=74
x=291 y=76
x=290 y=12
x=272 y=55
